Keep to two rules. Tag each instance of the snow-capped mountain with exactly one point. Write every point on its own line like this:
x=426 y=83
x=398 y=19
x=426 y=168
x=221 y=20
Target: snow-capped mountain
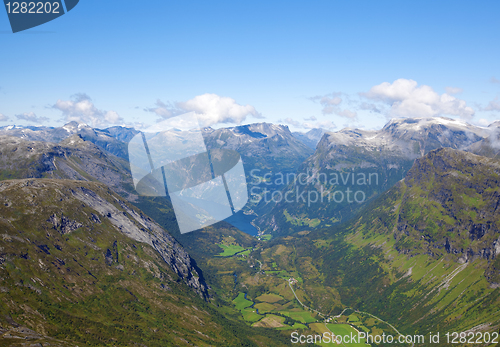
x=256 y=140
x=264 y=146
x=111 y=139
x=386 y=154
x=410 y=137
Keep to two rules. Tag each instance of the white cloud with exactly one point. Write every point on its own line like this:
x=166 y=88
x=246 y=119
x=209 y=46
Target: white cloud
x=326 y=124
x=493 y=105
x=483 y=122
x=210 y=109
x=453 y=90
x=328 y=109
x=3 y=118
x=407 y=99
x=293 y=122
x=139 y=125
x=346 y=113
x=163 y=110
x=311 y=118
x=31 y=117
x=328 y=101
x=494 y=139
x=331 y=105
x=368 y=106
x=333 y=100
x=81 y=109
x=494 y=80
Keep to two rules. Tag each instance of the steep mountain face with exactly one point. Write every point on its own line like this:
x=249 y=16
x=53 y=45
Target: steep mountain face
x=439 y=228
x=113 y=140
x=73 y=158
x=80 y=265
x=66 y=238
x=351 y=167
x=89 y=205
x=460 y=195
x=310 y=138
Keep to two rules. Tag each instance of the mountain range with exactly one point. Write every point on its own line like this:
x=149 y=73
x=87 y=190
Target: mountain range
x=84 y=259
x=383 y=155
x=310 y=138
x=113 y=139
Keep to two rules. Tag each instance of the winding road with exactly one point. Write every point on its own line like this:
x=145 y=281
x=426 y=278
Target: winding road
x=347 y=308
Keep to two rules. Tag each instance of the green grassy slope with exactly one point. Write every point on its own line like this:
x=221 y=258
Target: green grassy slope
x=422 y=257
x=77 y=279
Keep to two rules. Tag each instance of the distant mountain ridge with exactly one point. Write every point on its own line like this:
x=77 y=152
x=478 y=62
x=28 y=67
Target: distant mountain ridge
x=72 y=158
x=387 y=153
x=270 y=149
x=112 y=139
x=264 y=148
x=490 y=145
x=273 y=145
x=264 y=140
x=310 y=138
x=410 y=137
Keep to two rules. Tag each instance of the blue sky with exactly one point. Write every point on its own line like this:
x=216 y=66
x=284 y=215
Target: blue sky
x=304 y=64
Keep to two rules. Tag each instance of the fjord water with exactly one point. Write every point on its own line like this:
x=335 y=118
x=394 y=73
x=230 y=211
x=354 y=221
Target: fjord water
x=243 y=222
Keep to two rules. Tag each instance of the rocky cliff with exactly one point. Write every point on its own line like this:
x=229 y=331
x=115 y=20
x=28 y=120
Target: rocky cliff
x=65 y=206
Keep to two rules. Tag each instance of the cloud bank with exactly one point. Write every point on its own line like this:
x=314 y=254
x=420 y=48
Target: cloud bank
x=326 y=124
x=453 y=90
x=331 y=105
x=81 y=109
x=31 y=117
x=407 y=99
x=310 y=123
x=493 y=105
x=210 y=109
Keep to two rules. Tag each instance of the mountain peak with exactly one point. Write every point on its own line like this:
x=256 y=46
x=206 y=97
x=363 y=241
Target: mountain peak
x=447 y=160
x=423 y=122
x=74 y=126
x=268 y=129
x=73 y=141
